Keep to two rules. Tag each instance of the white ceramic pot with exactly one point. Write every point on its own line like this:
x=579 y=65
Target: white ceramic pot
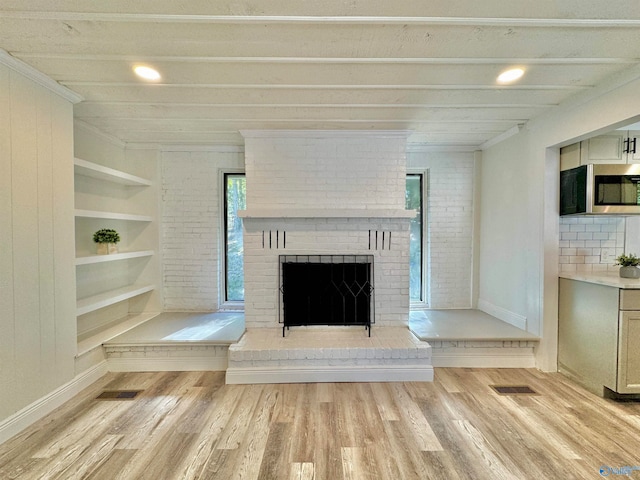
x=107 y=248
x=629 y=272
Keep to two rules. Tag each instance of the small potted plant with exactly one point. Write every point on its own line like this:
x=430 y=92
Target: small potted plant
x=628 y=266
x=107 y=240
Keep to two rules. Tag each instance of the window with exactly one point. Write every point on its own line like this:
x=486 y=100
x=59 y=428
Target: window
x=413 y=201
x=235 y=198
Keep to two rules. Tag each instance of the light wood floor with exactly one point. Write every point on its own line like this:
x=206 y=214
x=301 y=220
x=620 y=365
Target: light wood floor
x=189 y=425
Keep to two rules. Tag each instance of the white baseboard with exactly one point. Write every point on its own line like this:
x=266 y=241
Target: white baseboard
x=503 y=314
x=389 y=373
x=484 y=358
x=45 y=405
x=167 y=364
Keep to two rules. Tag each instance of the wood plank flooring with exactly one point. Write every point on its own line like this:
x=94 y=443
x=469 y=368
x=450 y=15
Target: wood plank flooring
x=190 y=425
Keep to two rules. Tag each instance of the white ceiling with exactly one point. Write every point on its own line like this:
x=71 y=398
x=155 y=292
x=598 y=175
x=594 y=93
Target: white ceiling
x=426 y=66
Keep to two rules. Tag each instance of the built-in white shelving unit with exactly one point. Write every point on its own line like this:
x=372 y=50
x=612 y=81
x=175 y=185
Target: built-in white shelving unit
x=105 y=198
x=89 y=259
x=96 y=337
x=89 y=169
x=104 y=299
x=113 y=216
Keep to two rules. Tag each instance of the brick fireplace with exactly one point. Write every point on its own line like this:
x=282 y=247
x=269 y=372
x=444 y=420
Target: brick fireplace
x=325 y=193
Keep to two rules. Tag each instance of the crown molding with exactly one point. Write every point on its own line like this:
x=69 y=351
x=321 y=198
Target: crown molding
x=434 y=147
x=38 y=77
x=502 y=137
x=82 y=125
x=202 y=148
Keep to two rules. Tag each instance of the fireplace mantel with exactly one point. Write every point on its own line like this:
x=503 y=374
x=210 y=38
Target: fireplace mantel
x=265 y=213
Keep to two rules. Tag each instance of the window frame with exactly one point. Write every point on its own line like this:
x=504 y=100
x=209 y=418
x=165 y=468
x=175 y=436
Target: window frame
x=424 y=303
x=222 y=290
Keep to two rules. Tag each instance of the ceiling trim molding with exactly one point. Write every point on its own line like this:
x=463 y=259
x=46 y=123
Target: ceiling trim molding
x=38 y=77
x=428 y=147
x=502 y=137
x=176 y=147
x=82 y=125
x=324 y=19
x=331 y=60
x=612 y=83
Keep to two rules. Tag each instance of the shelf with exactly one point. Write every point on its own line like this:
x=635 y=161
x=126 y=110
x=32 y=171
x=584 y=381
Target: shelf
x=91 y=259
x=113 y=215
x=326 y=213
x=96 y=337
x=95 y=302
x=93 y=170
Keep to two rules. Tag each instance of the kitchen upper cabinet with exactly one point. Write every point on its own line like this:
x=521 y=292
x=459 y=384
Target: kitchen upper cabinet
x=570 y=156
x=618 y=146
x=613 y=147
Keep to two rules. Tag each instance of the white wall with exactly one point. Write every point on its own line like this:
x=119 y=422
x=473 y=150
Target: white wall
x=509 y=239
x=450 y=219
x=37 y=278
x=519 y=206
x=191 y=235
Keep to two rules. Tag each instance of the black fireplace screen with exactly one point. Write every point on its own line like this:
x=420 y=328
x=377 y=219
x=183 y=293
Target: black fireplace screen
x=326 y=290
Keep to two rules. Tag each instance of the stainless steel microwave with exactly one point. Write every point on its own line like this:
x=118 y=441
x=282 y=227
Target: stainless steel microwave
x=600 y=189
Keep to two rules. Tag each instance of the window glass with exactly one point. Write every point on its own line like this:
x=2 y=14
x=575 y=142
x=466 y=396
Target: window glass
x=413 y=201
x=235 y=199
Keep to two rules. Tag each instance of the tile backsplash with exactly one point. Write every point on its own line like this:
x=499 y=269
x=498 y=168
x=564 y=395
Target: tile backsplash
x=590 y=244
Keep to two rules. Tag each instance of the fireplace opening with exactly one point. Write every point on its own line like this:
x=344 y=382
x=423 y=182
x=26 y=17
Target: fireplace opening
x=326 y=290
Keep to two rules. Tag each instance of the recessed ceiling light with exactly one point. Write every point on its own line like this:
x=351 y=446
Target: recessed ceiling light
x=510 y=75
x=147 y=73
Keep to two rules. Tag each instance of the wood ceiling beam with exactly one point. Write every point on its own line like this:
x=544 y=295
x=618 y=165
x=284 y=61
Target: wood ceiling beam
x=335 y=60
x=305 y=19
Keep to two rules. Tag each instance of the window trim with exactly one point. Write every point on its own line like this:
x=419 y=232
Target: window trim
x=223 y=303
x=424 y=303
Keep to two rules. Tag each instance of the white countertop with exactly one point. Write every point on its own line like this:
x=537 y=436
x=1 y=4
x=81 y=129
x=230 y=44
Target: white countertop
x=603 y=278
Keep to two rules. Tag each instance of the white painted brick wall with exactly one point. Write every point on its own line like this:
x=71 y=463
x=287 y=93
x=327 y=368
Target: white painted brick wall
x=328 y=171
x=450 y=220
x=190 y=183
x=191 y=238
x=591 y=244
x=360 y=171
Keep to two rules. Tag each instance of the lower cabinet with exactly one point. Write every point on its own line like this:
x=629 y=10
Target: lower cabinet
x=629 y=352
x=599 y=336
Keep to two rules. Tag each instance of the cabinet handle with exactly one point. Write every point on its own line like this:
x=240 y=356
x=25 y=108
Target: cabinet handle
x=632 y=149
x=625 y=145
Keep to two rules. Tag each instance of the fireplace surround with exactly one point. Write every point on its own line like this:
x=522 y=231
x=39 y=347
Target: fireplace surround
x=325 y=193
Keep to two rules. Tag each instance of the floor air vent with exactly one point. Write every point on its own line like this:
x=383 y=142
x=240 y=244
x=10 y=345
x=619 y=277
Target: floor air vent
x=513 y=390
x=118 y=395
